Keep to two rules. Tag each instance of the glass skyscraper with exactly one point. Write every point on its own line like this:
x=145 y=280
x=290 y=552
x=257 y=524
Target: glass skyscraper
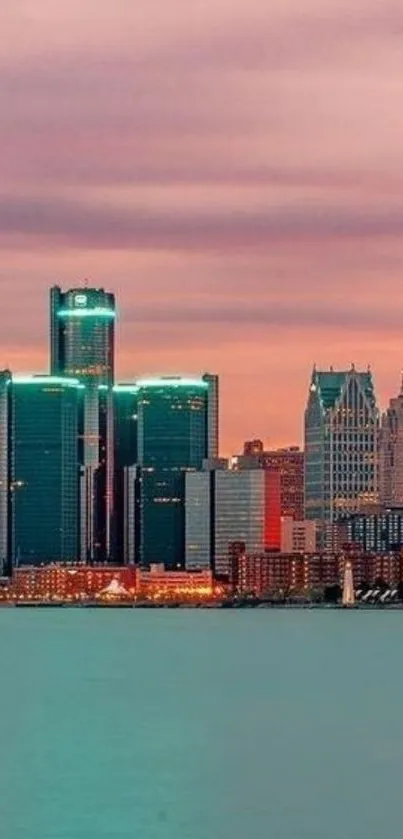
x=125 y=399
x=82 y=345
x=39 y=469
x=177 y=430
x=227 y=506
x=341 y=438
x=82 y=334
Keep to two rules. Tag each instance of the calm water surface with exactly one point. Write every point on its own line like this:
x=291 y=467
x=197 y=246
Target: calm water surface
x=200 y=725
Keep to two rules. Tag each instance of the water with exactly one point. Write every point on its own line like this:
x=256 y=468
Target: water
x=200 y=725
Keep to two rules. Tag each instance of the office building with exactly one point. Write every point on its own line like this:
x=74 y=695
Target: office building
x=199 y=519
x=341 y=437
x=391 y=454
x=377 y=532
x=125 y=398
x=177 y=430
x=39 y=487
x=82 y=345
x=289 y=462
x=224 y=506
x=82 y=334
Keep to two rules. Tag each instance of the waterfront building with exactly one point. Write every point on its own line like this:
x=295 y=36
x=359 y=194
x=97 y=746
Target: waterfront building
x=301 y=574
x=281 y=574
x=224 y=506
x=341 y=437
x=391 y=454
x=158 y=583
x=39 y=486
x=82 y=345
x=73 y=583
x=177 y=430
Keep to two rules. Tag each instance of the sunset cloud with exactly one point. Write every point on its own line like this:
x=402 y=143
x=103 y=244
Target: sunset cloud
x=231 y=169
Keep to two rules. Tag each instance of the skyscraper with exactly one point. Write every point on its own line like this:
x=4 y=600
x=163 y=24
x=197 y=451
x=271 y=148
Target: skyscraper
x=391 y=454
x=177 y=430
x=82 y=335
x=39 y=499
x=125 y=398
x=341 y=436
x=224 y=506
x=289 y=462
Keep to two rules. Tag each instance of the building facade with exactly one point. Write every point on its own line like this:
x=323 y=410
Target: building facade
x=391 y=454
x=289 y=462
x=297 y=536
x=177 y=430
x=199 y=519
x=224 y=506
x=39 y=500
x=377 y=532
x=341 y=442
x=82 y=345
x=126 y=534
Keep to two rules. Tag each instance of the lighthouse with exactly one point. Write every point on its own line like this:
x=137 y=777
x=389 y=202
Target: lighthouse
x=348 y=585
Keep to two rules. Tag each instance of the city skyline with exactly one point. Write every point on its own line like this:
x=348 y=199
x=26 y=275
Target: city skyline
x=225 y=447
x=244 y=223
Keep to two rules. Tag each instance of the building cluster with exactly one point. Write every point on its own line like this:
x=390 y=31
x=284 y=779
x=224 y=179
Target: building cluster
x=96 y=473
x=55 y=583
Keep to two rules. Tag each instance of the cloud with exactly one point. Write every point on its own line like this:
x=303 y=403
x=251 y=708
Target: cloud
x=57 y=221
x=232 y=169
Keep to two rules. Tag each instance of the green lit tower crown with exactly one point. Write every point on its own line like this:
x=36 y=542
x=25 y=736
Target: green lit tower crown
x=82 y=345
x=82 y=334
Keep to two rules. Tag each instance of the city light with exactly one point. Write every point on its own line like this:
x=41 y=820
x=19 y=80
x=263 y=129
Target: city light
x=46 y=380
x=172 y=382
x=96 y=312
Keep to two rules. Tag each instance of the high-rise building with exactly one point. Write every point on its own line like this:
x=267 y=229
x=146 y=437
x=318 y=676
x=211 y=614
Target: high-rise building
x=39 y=486
x=224 y=506
x=177 y=430
x=341 y=437
x=199 y=519
x=125 y=397
x=289 y=462
x=82 y=335
x=391 y=453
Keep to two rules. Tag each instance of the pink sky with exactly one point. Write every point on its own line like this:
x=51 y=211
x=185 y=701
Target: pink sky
x=232 y=169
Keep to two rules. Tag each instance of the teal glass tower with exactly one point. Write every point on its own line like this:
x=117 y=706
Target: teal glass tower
x=39 y=488
x=82 y=345
x=341 y=443
x=177 y=430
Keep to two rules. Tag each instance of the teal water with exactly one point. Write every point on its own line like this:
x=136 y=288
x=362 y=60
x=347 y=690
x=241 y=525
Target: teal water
x=200 y=725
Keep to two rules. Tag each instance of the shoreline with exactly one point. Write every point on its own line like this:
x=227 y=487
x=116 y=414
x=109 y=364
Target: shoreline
x=44 y=604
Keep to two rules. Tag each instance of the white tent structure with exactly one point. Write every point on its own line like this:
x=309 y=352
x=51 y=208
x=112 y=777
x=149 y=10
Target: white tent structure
x=114 y=589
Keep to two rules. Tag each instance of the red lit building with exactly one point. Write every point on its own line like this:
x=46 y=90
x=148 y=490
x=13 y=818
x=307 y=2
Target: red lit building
x=272 y=522
x=289 y=463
